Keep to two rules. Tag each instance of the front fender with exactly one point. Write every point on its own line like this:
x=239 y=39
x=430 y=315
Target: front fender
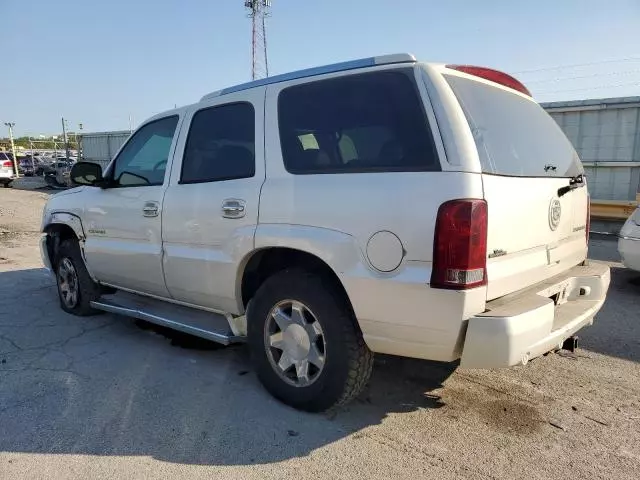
x=55 y=219
x=63 y=218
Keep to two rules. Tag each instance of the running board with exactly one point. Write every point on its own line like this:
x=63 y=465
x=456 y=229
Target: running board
x=208 y=325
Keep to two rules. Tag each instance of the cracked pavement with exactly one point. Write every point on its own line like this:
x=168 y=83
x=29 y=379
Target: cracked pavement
x=100 y=397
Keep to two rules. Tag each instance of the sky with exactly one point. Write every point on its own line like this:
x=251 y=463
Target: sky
x=101 y=62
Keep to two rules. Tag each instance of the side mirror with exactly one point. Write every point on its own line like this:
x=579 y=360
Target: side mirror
x=86 y=173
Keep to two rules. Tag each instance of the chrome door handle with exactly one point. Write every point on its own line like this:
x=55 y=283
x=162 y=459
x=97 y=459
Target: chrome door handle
x=233 y=208
x=150 y=209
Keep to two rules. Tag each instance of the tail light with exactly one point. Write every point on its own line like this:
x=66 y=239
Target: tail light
x=493 y=76
x=460 y=245
x=7 y=164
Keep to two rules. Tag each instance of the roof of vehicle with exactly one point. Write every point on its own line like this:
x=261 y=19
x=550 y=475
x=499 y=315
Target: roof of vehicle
x=310 y=72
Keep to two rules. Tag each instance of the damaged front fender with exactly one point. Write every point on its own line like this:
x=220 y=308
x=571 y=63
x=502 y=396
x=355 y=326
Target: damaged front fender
x=63 y=218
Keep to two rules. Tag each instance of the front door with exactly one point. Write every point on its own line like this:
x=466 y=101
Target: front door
x=211 y=204
x=123 y=247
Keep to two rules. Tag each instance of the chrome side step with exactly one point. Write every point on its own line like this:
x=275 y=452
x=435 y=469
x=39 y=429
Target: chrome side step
x=211 y=326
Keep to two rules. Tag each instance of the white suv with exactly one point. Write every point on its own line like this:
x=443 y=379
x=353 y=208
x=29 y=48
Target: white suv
x=379 y=205
x=7 y=173
x=629 y=242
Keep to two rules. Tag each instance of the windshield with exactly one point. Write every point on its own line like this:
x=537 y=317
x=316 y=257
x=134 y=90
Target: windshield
x=513 y=134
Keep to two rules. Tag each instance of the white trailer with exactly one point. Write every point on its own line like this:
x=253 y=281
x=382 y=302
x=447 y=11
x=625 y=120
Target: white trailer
x=100 y=147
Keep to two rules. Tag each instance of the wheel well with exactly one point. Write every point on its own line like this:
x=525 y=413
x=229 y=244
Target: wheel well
x=269 y=261
x=56 y=234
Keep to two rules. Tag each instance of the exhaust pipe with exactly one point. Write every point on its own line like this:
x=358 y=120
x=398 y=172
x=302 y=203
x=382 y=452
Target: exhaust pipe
x=570 y=344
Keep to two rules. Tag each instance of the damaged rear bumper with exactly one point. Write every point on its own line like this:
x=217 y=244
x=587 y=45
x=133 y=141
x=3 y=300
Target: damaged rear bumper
x=524 y=325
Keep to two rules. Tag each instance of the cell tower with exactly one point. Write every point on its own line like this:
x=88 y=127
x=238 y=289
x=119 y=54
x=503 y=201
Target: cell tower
x=258 y=11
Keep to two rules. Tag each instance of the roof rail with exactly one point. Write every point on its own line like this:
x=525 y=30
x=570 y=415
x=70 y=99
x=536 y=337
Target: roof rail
x=310 y=72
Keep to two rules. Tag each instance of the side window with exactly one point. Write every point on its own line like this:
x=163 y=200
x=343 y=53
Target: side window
x=143 y=160
x=220 y=145
x=367 y=122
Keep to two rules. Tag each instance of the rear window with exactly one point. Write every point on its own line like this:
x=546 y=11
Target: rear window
x=514 y=135
x=368 y=122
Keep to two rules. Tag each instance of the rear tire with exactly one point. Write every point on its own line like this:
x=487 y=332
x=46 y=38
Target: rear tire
x=315 y=338
x=76 y=289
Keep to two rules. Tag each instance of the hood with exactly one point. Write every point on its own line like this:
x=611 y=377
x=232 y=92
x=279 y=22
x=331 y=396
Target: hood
x=68 y=192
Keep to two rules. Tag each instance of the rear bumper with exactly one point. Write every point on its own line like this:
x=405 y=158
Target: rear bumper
x=527 y=324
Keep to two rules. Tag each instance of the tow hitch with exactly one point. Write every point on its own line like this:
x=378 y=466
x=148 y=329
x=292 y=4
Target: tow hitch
x=570 y=344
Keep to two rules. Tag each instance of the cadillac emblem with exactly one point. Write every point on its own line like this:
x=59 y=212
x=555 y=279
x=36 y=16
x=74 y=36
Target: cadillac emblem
x=555 y=211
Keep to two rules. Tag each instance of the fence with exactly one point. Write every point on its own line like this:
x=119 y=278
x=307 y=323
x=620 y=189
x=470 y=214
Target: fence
x=606 y=135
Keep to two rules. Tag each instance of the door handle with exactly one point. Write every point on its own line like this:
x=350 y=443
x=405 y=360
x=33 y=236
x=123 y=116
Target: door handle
x=150 y=209
x=233 y=208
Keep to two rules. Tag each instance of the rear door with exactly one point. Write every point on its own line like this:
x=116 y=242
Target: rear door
x=210 y=209
x=535 y=231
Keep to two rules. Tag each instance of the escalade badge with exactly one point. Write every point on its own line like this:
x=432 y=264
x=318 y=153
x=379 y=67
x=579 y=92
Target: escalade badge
x=555 y=211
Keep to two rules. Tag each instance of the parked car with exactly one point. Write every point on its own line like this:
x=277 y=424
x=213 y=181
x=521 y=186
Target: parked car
x=7 y=172
x=629 y=242
x=28 y=165
x=381 y=205
x=59 y=164
x=39 y=166
x=57 y=173
x=26 y=170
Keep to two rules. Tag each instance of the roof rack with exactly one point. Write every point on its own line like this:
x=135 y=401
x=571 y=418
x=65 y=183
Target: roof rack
x=310 y=72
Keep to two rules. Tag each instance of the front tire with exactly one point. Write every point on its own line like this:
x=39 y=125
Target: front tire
x=76 y=289
x=305 y=345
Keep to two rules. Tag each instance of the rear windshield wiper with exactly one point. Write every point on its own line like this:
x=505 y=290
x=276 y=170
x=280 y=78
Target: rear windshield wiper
x=574 y=182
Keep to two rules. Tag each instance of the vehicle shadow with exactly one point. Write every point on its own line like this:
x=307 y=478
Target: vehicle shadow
x=32 y=183
x=616 y=329
x=104 y=386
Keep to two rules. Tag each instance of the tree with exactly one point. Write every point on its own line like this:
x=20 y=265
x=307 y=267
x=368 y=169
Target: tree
x=43 y=143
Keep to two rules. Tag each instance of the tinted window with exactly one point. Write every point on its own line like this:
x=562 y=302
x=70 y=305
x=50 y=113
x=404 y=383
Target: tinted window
x=357 y=123
x=220 y=145
x=514 y=135
x=143 y=160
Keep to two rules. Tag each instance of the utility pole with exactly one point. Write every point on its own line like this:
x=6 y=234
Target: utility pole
x=258 y=11
x=65 y=139
x=79 y=143
x=33 y=163
x=13 y=148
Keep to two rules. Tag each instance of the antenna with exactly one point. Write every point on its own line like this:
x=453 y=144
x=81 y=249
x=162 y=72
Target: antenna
x=258 y=11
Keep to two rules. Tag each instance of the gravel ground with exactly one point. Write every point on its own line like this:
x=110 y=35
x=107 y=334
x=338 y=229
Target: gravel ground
x=106 y=398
